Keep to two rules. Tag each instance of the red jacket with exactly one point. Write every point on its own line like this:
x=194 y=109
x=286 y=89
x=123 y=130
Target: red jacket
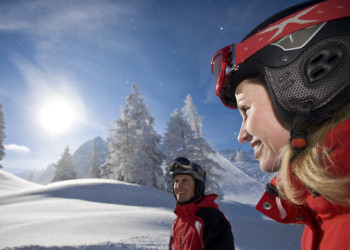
x=327 y=226
x=201 y=225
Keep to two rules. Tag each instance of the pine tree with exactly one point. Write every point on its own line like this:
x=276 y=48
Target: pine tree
x=179 y=136
x=178 y=141
x=121 y=147
x=201 y=148
x=95 y=160
x=148 y=157
x=65 y=167
x=2 y=135
x=192 y=117
x=133 y=150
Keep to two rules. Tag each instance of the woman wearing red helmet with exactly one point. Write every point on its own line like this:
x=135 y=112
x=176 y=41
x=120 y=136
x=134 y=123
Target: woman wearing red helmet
x=290 y=80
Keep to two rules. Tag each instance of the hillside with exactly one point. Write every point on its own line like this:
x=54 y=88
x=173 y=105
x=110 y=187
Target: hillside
x=106 y=214
x=237 y=185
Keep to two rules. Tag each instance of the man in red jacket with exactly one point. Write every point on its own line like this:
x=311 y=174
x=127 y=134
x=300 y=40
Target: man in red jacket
x=199 y=223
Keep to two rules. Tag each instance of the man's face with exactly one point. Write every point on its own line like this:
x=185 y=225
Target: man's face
x=184 y=187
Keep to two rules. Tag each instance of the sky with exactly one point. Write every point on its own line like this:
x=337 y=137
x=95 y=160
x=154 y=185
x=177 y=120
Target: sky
x=67 y=66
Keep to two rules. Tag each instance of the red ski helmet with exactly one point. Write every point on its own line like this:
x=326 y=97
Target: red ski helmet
x=303 y=55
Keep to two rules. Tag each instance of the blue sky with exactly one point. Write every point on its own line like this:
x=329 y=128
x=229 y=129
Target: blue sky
x=85 y=56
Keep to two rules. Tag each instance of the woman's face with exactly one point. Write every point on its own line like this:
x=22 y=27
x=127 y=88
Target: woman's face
x=261 y=126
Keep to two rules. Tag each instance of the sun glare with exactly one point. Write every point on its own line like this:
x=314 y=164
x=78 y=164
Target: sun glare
x=57 y=115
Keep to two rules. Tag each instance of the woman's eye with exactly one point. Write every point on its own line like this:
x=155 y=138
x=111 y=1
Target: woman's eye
x=244 y=109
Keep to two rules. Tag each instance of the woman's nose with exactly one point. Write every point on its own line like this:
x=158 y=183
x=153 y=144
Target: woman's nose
x=243 y=135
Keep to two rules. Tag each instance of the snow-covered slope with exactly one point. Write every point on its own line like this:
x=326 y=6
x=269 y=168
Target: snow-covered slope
x=84 y=212
x=248 y=164
x=237 y=185
x=12 y=183
x=106 y=214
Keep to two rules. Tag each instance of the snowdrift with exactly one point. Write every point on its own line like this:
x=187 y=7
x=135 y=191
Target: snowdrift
x=106 y=214
x=10 y=182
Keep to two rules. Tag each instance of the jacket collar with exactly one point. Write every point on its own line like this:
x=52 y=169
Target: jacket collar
x=189 y=209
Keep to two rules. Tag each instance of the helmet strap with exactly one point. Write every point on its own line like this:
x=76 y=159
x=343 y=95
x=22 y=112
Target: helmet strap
x=298 y=132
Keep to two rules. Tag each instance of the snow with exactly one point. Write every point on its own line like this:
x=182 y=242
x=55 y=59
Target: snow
x=11 y=182
x=237 y=185
x=107 y=214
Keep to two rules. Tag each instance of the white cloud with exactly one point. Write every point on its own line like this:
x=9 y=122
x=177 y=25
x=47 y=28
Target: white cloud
x=17 y=148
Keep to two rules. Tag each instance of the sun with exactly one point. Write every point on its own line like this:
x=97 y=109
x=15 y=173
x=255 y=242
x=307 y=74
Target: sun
x=57 y=115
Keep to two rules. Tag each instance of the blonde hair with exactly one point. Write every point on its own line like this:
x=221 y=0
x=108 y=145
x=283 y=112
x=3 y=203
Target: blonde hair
x=309 y=168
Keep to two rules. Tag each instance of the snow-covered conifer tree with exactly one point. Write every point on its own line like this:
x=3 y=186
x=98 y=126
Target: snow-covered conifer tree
x=133 y=151
x=121 y=147
x=95 y=160
x=178 y=141
x=179 y=136
x=65 y=167
x=201 y=148
x=2 y=135
x=192 y=117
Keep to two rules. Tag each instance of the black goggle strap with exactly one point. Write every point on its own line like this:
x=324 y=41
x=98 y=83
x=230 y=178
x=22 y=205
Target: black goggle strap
x=231 y=60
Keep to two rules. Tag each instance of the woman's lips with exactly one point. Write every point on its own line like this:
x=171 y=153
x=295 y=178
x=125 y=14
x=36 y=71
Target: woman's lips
x=256 y=145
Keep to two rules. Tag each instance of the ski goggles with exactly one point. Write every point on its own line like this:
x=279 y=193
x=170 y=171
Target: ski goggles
x=182 y=163
x=227 y=60
x=222 y=66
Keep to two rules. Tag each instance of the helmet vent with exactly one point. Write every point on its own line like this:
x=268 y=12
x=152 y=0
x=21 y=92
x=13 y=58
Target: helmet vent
x=320 y=75
x=323 y=63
